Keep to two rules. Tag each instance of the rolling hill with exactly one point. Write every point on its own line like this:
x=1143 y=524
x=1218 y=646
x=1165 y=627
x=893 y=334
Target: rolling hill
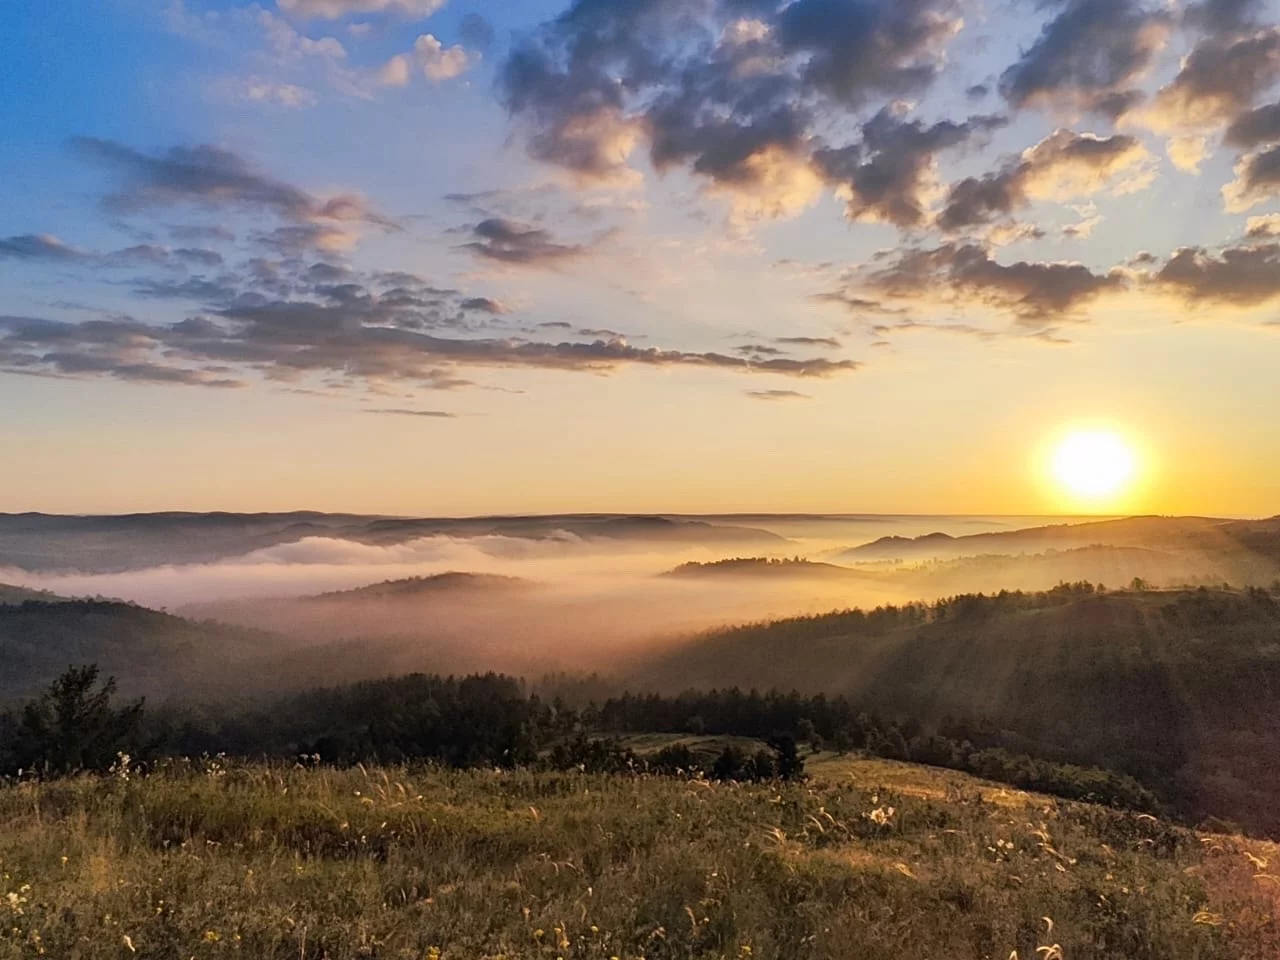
x=1178 y=688
x=151 y=652
x=105 y=544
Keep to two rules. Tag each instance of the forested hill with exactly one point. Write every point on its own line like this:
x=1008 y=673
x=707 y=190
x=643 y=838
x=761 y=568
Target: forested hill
x=1181 y=688
x=151 y=652
x=10 y=594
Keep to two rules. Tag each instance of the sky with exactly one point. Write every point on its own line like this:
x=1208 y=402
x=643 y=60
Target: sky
x=447 y=257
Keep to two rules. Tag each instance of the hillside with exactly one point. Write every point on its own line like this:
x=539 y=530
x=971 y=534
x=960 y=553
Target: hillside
x=436 y=584
x=1177 y=688
x=151 y=652
x=868 y=860
x=1244 y=551
x=764 y=567
x=11 y=595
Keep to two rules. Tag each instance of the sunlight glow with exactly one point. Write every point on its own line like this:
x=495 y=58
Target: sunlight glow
x=1094 y=465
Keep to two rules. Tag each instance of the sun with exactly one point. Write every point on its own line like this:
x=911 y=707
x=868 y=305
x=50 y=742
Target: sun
x=1094 y=465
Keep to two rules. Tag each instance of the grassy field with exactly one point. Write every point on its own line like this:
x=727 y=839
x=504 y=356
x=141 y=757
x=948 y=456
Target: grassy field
x=869 y=859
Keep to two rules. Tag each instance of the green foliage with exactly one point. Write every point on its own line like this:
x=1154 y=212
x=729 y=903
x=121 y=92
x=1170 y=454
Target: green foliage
x=74 y=726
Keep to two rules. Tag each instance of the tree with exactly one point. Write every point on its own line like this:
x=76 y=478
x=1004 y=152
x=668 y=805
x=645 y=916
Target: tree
x=73 y=726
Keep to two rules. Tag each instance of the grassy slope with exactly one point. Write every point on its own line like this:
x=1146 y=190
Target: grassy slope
x=289 y=863
x=1163 y=684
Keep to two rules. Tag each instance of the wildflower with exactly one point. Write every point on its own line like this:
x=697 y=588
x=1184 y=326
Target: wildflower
x=212 y=936
x=881 y=816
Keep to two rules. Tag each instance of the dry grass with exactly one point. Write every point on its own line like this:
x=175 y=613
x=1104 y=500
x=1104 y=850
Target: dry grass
x=291 y=863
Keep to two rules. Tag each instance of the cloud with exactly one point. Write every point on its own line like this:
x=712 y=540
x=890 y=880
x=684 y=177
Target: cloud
x=1257 y=180
x=776 y=395
x=1088 y=57
x=1034 y=292
x=438 y=61
x=509 y=241
x=199 y=232
x=42 y=246
x=262 y=90
x=215 y=178
x=729 y=93
x=336 y=9
x=1265 y=227
x=485 y=305
x=1062 y=166
x=47 y=247
x=476 y=31
x=890 y=175
x=294 y=323
x=1220 y=78
x=1188 y=152
x=1240 y=276
x=1255 y=127
x=290 y=45
x=403 y=412
x=830 y=342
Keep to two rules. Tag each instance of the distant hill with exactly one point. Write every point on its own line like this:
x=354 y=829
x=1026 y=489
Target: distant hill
x=108 y=544
x=10 y=594
x=440 y=583
x=764 y=567
x=150 y=651
x=1242 y=551
x=1179 y=688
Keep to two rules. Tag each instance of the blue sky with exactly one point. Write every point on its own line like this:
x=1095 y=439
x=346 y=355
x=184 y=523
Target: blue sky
x=452 y=257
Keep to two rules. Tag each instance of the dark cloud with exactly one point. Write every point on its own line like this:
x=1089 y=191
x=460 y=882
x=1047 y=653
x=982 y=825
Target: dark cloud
x=759 y=350
x=50 y=248
x=1255 y=127
x=404 y=412
x=830 y=342
x=556 y=325
x=1257 y=180
x=856 y=49
x=1222 y=76
x=485 y=305
x=198 y=256
x=1063 y=164
x=775 y=395
x=190 y=233
x=216 y=178
x=1088 y=57
x=977 y=92
x=333 y=325
x=852 y=302
x=518 y=243
x=1223 y=16
x=1033 y=292
x=888 y=174
x=1242 y=276
x=31 y=246
x=476 y=32
x=727 y=89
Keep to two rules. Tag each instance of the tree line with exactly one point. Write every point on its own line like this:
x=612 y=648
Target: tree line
x=491 y=720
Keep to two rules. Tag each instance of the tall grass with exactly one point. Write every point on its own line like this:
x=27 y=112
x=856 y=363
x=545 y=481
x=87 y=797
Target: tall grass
x=204 y=860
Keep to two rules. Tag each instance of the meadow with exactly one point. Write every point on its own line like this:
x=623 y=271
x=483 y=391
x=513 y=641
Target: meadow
x=868 y=858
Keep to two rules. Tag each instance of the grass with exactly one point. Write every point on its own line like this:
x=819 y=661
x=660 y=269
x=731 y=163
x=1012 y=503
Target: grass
x=869 y=859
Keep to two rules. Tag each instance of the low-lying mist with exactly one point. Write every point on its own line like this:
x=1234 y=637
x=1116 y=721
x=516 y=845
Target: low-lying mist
x=563 y=602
